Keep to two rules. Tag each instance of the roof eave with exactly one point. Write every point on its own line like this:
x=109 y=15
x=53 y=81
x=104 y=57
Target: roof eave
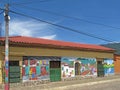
x=23 y=44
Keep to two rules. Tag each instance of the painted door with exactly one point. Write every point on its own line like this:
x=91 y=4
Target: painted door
x=55 y=71
x=77 y=68
x=100 y=69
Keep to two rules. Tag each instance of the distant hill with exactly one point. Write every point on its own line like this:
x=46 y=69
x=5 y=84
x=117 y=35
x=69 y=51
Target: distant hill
x=115 y=46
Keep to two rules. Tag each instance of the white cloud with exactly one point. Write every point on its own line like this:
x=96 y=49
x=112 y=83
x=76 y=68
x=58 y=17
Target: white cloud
x=49 y=37
x=31 y=28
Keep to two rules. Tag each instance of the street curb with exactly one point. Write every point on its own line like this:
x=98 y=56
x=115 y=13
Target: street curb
x=81 y=85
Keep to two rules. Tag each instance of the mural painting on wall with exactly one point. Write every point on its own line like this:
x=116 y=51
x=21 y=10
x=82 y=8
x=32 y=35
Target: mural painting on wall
x=88 y=66
x=108 y=66
x=67 y=65
x=34 y=69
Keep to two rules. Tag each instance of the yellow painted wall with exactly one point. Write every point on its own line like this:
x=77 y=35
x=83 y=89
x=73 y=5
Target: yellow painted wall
x=22 y=51
x=17 y=53
x=0 y=65
x=0 y=71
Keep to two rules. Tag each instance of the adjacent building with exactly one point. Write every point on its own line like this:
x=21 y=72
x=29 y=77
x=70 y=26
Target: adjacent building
x=41 y=59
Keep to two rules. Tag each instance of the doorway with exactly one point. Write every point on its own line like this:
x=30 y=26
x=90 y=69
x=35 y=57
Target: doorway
x=55 y=71
x=14 y=72
x=77 y=68
x=100 y=69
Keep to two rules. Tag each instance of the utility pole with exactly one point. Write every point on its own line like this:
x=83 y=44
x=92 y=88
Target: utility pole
x=7 y=18
x=0 y=30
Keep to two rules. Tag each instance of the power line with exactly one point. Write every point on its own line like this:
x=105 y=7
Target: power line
x=30 y=2
x=60 y=26
x=1 y=12
x=0 y=30
x=66 y=16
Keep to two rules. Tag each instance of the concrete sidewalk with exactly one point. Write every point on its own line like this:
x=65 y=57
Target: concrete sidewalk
x=65 y=85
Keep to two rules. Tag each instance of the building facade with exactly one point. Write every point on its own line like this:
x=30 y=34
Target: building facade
x=41 y=59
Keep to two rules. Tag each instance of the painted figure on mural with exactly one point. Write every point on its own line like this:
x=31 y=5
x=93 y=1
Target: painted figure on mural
x=27 y=69
x=34 y=69
x=26 y=62
x=33 y=73
x=43 y=71
x=38 y=69
x=23 y=71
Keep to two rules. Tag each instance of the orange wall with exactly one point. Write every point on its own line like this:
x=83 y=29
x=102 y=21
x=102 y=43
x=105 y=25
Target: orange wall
x=117 y=64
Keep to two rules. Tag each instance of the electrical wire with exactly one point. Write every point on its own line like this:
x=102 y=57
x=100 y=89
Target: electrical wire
x=66 y=16
x=54 y=13
x=30 y=2
x=60 y=26
x=1 y=12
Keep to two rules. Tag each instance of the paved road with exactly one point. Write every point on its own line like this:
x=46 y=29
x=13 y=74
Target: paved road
x=103 y=86
x=100 y=85
x=103 y=83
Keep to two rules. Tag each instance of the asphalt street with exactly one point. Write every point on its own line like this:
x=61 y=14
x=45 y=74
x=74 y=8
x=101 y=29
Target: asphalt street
x=102 y=83
x=114 y=85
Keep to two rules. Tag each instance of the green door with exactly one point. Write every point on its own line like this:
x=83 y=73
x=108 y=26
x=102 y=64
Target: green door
x=58 y=74
x=55 y=71
x=14 y=72
x=100 y=69
x=52 y=75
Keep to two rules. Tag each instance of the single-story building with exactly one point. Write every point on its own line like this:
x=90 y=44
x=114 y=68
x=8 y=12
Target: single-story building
x=41 y=59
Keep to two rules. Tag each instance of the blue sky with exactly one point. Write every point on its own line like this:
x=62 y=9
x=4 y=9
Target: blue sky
x=98 y=11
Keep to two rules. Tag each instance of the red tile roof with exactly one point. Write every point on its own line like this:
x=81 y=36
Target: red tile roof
x=39 y=41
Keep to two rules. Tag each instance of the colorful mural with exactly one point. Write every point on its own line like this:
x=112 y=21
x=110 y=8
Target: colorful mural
x=38 y=69
x=88 y=66
x=108 y=66
x=67 y=66
x=34 y=69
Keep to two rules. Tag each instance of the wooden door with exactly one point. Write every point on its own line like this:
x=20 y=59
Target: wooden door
x=77 y=68
x=100 y=69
